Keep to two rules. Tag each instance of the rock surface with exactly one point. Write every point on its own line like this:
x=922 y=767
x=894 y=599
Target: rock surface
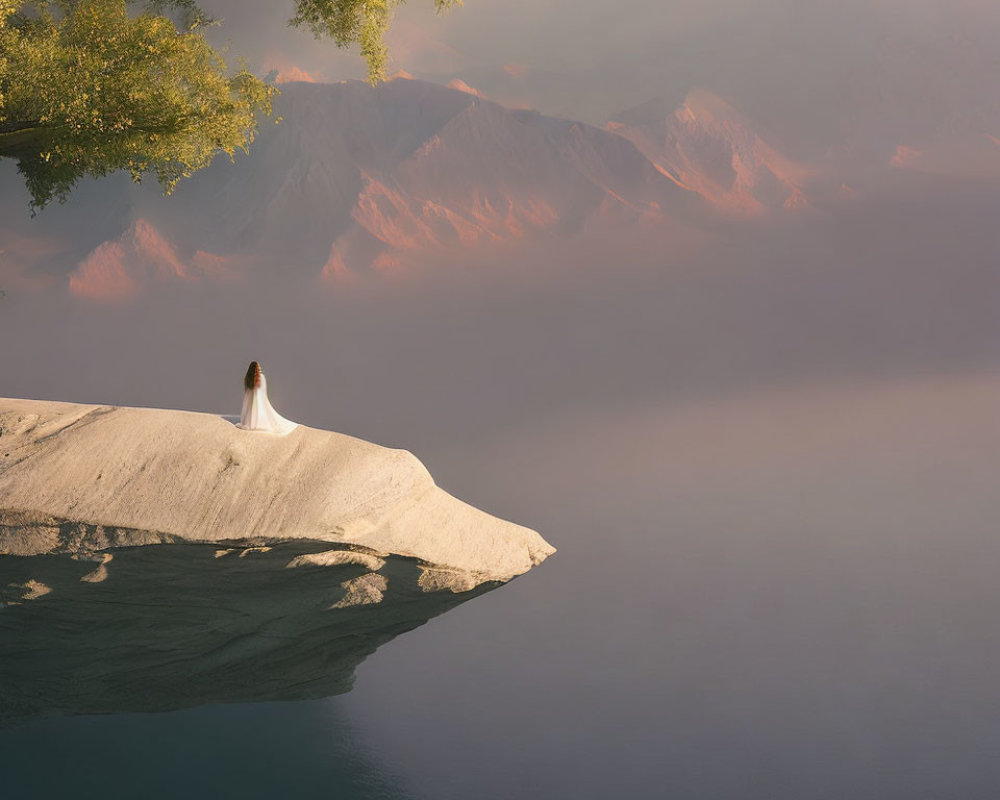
x=81 y=479
x=154 y=560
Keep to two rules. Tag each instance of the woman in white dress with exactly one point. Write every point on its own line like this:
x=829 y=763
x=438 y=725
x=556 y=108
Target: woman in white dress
x=258 y=414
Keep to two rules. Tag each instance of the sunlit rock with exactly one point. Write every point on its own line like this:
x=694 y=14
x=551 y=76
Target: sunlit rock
x=707 y=146
x=365 y=590
x=83 y=479
x=154 y=559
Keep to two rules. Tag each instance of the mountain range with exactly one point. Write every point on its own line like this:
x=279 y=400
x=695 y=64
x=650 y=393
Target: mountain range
x=355 y=178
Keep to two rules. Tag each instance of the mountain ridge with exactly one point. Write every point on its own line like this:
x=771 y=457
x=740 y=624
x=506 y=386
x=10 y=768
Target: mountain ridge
x=360 y=179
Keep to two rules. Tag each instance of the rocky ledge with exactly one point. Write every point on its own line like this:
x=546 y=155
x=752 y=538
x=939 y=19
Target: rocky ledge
x=81 y=479
x=152 y=560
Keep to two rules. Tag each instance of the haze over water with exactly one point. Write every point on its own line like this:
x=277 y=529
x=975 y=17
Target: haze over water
x=766 y=448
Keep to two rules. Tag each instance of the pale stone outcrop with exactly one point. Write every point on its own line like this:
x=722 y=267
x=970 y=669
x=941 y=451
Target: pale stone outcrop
x=365 y=590
x=82 y=479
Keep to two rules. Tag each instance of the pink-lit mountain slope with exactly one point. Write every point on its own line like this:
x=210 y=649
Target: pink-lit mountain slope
x=118 y=269
x=356 y=177
x=707 y=146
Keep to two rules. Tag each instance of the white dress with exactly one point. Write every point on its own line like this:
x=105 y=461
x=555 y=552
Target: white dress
x=259 y=415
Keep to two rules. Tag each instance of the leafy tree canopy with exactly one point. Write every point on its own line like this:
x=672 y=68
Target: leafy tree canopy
x=91 y=87
x=361 y=22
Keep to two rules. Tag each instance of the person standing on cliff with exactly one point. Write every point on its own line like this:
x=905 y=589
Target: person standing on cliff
x=258 y=413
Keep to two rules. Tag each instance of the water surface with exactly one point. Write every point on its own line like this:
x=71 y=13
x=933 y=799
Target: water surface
x=790 y=594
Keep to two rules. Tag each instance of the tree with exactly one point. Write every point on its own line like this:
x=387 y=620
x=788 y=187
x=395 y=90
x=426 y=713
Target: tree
x=88 y=87
x=361 y=22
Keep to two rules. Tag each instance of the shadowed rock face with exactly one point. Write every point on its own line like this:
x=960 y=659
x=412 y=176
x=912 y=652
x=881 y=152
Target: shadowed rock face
x=155 y=559
x=169 y=626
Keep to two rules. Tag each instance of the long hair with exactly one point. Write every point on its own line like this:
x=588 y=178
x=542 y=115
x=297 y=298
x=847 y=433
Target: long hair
x=252 y=378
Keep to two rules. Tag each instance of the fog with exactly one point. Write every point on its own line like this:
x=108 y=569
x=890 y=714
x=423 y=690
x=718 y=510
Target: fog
x=768 y=463
x=782 y=595
x=898 y=285
x=767 y=452
x=911 y=72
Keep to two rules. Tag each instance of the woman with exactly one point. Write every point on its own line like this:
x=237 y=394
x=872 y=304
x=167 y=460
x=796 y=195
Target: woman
x=258 y=414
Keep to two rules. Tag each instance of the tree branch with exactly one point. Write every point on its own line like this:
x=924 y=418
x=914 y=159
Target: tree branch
x=24 y=140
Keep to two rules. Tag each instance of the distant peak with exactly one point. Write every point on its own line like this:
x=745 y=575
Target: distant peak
x=462 y=86
x=516 y=70
x=906 y=157
x=708 y=146
x=401 y=75
x=284 y=71
x=703 y=101
x=296 y=75
x=118 y=268
x=699 y=105
x=704 y=108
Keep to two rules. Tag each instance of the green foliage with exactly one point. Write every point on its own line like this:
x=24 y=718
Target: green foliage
x=190 y=15
x=362 y=22
x=88 y=89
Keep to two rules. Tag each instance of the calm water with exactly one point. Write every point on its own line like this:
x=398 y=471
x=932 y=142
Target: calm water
x=790 y=594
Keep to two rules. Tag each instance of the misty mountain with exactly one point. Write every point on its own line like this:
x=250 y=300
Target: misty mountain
x=707 y=146
x=355 y=178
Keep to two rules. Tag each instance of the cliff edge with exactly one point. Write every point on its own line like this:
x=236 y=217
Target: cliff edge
x=80 y=479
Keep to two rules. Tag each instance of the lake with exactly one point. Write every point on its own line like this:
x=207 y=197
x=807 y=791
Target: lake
x=788 y=594
x=770 y=473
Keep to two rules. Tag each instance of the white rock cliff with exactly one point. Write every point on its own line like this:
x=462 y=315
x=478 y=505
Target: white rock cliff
x=80 y=479
x=166 y=559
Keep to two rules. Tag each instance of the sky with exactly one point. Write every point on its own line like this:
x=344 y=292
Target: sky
x=798 y=67
x=889 y=271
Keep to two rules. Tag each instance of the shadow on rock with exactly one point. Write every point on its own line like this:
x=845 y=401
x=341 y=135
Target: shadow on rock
x=162 y=627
